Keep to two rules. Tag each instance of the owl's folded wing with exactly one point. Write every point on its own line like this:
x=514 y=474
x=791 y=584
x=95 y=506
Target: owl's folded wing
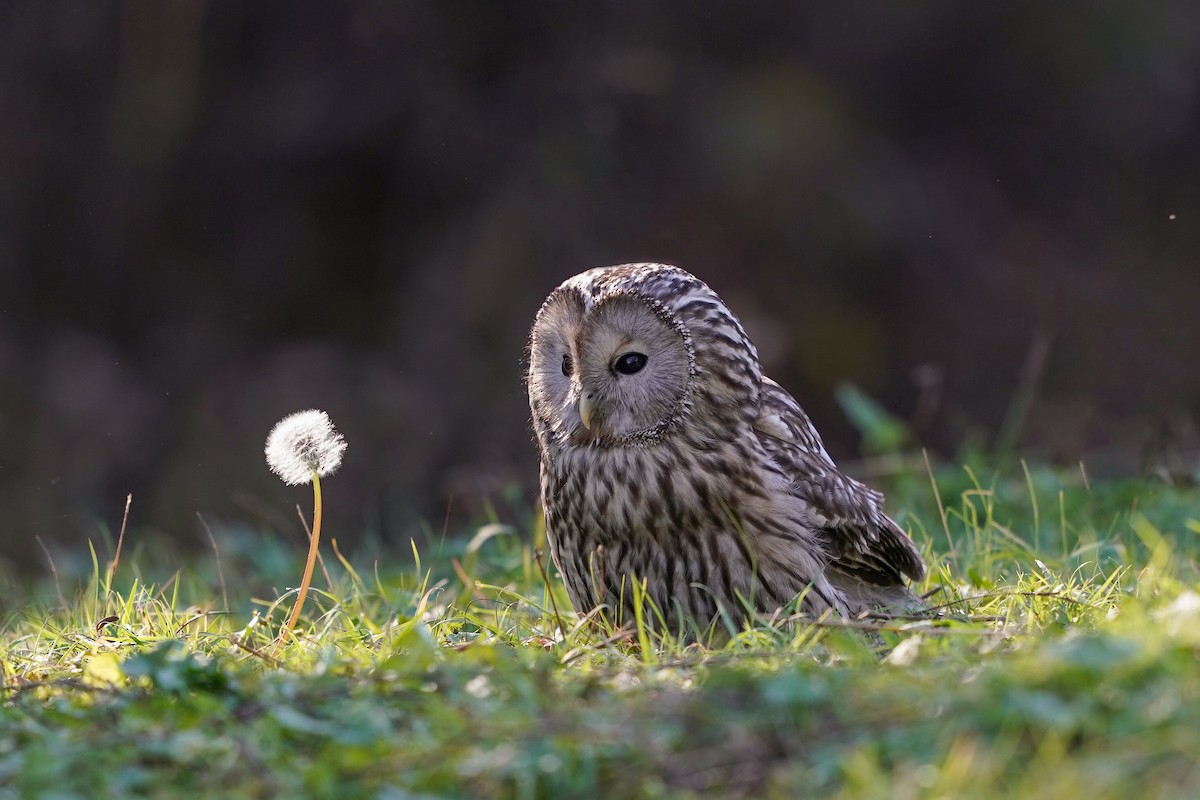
x=861 y=538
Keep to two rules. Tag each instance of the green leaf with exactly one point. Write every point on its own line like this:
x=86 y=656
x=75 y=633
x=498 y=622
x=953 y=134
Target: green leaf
x=882 y=432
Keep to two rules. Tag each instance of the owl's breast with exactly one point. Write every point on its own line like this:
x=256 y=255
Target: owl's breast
x=598 y=493
x=655 y=493
x=704 y=526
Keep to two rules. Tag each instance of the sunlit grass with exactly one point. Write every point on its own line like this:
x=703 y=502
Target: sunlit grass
x=1065 y=658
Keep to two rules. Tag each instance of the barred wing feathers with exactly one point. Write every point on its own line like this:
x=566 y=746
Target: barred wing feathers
x=862 y=540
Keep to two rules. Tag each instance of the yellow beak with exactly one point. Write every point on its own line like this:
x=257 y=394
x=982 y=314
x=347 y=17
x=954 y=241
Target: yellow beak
x=585 y=411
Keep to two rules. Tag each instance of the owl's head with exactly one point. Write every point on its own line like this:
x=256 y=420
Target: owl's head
x=623 y=355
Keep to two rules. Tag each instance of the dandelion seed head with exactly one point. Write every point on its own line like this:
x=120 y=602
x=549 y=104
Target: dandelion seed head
x=303 y=443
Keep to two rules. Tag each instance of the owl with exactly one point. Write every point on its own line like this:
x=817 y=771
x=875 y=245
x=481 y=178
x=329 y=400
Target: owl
x=674 y=474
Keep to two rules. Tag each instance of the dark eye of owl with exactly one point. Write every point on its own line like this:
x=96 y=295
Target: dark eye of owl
x=629 y=363
x=566 y=365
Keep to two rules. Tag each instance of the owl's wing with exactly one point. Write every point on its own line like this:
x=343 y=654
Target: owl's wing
x=862 y=539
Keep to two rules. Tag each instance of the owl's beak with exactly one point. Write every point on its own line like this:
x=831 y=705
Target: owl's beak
x=586 y=408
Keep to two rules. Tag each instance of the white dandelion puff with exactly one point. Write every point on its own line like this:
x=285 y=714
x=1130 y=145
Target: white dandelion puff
x=304 y=443
x=303 y=448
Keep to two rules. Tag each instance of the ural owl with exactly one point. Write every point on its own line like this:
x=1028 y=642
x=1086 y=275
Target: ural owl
x=668 y=458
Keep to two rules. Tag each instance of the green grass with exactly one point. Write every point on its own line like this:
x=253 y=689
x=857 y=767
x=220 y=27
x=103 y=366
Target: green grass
x=1067 y=664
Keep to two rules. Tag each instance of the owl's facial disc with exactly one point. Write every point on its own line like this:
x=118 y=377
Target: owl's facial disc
x=632 y=369
x=602 y=372
x=629 y=363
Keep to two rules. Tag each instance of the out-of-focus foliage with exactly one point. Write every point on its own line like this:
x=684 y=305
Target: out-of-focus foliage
x=212 y=213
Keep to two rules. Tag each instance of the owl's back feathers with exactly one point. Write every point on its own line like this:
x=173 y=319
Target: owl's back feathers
x=862 y=540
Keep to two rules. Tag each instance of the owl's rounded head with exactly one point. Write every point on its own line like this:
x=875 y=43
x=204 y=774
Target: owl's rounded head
x=621 y=355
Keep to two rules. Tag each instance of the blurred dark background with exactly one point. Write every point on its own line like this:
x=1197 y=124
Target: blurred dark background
x=212 y=214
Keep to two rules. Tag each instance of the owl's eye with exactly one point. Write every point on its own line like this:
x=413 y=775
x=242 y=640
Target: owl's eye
x=566 y=365
x=629 y=363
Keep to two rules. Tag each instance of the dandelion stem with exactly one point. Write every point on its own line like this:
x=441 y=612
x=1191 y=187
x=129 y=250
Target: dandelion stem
x=312 y=560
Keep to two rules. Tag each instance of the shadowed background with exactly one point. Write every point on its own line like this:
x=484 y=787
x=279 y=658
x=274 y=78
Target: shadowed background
x=213 y=214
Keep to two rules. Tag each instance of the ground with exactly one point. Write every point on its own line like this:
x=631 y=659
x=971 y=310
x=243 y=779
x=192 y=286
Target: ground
x=1065 y=662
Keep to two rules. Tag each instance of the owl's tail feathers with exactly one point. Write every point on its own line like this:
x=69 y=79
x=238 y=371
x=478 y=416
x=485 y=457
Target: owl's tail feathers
x=865 y=597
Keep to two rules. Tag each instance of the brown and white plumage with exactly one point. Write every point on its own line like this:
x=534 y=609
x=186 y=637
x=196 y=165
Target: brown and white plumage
x=667 y=456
